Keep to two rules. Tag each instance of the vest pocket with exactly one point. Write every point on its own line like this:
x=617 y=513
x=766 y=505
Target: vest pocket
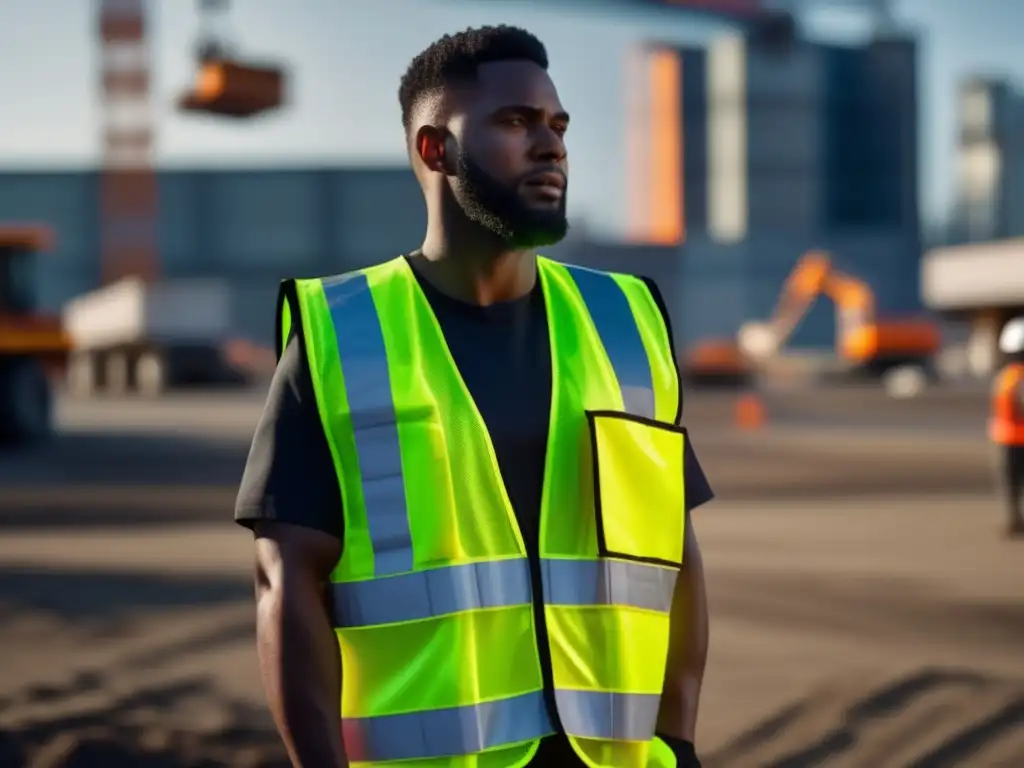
x=639 y=488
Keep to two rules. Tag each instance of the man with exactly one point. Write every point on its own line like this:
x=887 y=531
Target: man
x=1007 y=424
x=473 y=450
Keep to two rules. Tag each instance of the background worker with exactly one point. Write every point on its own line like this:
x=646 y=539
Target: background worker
x=1007 y=423
x=485 y=133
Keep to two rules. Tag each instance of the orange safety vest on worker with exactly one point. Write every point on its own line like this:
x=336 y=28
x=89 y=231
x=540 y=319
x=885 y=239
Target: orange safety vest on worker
x=1007 y=424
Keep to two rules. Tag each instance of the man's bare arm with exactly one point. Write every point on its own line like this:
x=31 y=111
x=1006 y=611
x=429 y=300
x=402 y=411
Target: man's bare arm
x=688 y=646
x=297 y=649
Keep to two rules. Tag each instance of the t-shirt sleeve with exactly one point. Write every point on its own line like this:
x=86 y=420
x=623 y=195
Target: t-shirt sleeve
x=698 y=487
x=290 y=475
x=663 y=308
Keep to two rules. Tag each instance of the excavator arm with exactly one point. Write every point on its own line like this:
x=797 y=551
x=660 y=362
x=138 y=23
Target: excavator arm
x=805 y=283
x=861 y=338
x=857 y=335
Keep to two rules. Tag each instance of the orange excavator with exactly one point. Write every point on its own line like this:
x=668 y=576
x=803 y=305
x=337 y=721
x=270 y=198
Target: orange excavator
x=33 y=345
x=865 y=344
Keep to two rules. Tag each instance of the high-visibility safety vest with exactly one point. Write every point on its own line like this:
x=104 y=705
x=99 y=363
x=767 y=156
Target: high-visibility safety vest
x=434 y=606
x=1006 y=426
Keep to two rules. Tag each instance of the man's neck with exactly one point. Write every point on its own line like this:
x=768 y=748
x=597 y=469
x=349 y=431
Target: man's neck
x=476 y=269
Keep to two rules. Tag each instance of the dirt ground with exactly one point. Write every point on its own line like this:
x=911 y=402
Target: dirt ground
x=866 y=611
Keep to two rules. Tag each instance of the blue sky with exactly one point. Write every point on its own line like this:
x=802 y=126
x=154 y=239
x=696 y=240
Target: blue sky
x=348 y=56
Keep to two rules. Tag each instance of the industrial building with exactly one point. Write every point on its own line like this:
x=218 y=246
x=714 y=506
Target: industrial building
x=742 y=156
x=978 y=275
x=747 y=153
x=249 y=226
x=989 y=203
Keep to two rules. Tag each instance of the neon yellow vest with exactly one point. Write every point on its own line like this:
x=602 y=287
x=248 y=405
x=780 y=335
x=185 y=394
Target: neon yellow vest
x=433 y=603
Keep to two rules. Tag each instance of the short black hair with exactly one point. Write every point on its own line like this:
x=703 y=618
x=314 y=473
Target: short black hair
x=457 y=57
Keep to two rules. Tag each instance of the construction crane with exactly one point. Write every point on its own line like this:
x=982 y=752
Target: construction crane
x=139 y=332
x=128 y=186
x=225 y=86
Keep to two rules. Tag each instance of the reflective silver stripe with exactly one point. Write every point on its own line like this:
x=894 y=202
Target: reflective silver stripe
x=447 y=732
x=608 y=582
x=364 y=364
x=616 y=325
x=501 y=584
x=437 y=592
x=599 y=715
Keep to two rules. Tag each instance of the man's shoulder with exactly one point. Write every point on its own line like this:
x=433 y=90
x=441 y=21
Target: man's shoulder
x=351 y=278
x=612 y=273
x=363 y=269
x=295 y=291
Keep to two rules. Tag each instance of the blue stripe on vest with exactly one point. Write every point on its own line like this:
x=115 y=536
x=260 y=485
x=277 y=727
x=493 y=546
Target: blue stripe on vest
x=447 y=732
x=475 y=728
x=501 y=584
x=364 y=363
x=427 y=594
x=616 y=325
x=604 y=715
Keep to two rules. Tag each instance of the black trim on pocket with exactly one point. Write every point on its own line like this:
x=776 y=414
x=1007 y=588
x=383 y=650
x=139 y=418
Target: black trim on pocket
x=602 y=544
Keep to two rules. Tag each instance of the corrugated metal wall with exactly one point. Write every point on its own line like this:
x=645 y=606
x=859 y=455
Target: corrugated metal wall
x=268 y=220
x=256 y=227
x=376 y=215
x=253 y=227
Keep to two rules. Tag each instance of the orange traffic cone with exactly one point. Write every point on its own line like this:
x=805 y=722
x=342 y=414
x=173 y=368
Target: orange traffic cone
x=749 y=411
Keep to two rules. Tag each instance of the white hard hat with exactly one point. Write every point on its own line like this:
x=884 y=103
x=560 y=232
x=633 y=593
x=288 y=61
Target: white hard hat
x=1011 y=340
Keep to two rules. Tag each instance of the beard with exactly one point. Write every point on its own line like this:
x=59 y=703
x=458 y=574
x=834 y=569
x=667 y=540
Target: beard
x=501 y=210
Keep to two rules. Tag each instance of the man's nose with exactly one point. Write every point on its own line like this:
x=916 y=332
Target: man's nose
x=548 y=145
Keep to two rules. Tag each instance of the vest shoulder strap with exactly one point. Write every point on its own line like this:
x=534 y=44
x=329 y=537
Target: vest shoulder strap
x=289 y=303
x=646 y=305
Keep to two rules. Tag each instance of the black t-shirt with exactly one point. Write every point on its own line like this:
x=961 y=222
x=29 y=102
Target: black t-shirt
x=503 y=354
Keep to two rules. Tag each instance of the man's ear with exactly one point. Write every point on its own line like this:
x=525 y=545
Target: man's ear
x=431 y=144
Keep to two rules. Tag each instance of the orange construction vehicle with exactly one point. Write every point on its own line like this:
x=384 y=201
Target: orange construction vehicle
x=865 y=343
x=716 y=363
x=33 y=346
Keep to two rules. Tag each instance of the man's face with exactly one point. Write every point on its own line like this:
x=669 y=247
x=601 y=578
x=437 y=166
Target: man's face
x=512 y=170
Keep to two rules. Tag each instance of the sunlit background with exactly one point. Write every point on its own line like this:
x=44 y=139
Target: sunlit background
x=832 y=203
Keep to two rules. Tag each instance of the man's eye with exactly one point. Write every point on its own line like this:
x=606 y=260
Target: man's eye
x=515 y=121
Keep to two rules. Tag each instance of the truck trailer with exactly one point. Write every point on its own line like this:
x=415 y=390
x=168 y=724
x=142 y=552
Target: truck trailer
x=146 y=338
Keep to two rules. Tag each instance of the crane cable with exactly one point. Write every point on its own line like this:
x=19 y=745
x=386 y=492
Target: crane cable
x=214 y=39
